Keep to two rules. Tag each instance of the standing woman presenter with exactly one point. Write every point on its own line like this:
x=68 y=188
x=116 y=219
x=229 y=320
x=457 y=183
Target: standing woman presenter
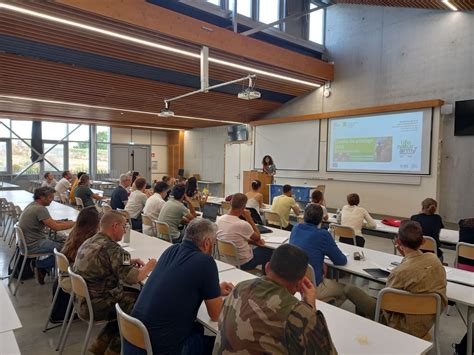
x=269 y=166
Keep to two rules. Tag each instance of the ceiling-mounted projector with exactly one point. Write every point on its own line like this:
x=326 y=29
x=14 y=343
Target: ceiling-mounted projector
x=249 y=94
x=166 y=112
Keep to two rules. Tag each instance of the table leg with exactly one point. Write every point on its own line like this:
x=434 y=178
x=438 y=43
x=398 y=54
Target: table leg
x=470 y=320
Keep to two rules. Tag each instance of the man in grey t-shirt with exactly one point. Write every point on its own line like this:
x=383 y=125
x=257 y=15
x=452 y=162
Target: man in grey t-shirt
x=174 y=212
x=34 y=222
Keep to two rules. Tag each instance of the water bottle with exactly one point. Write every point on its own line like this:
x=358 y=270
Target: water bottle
x=126 y=237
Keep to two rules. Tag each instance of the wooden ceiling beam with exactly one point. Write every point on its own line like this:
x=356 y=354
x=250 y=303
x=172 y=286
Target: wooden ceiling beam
x=155 y=18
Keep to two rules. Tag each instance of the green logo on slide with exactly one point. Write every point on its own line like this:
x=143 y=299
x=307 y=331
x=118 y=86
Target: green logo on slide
x=406 y=147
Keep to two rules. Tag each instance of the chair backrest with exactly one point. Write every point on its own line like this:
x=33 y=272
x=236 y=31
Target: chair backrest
x=147 y=221
x=126 y=215
x=273 y=218
x=464 y=250
x=343 y=231
x=79 y=289
x=61 y=261
x=399 y=301
x=300 y=219
x=79 y=202
x=429 y=244
x=20 y=240
x=225 y=207
x=133 y=331
x=163 y=229
x=228 y=252
x=310 y=274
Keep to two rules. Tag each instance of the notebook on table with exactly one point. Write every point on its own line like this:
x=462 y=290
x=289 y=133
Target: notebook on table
x=377 y=273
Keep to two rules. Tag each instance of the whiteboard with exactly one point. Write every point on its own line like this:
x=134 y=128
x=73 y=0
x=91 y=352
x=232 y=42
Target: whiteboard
x=293 y=146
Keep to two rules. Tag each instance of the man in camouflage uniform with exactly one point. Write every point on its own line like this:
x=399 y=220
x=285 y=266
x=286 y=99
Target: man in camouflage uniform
x=262 y=315
x=104 y=265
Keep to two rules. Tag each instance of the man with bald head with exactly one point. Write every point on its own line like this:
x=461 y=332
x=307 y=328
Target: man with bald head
x=105 y=266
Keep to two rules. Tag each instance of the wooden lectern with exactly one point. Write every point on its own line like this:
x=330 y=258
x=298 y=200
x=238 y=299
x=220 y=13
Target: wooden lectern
x=265 y=179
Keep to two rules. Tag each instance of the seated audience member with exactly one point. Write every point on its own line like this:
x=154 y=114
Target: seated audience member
x=431 y=223
x=185 y=276
x=49 y=180
x=75 y=182
x=33 y=220
x=283 y=204
x=193 y=193
x=170 y=181
x=154 y=203
x=317 y=243
x=106 y=266
x=243 y=233
x=354 y=216
x=119 y=196
x=174 y=212
x=317 y=197
x=136 y=203
x=255 y=197
x=466 y=235
x=262 y=315
x=418 y=273
x=63 y=185
x=84 y=192
x=86 y=226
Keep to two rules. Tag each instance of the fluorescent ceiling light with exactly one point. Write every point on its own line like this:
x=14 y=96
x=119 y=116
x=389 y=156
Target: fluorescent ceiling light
x=75 y=104
x=448 y=4
x=151 y=44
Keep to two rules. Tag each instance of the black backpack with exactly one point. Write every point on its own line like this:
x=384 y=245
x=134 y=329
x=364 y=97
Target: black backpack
x=28 y=272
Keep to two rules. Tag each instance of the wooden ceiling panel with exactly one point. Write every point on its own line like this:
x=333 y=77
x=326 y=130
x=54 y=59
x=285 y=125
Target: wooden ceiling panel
x=53 y=81
x=466 y=5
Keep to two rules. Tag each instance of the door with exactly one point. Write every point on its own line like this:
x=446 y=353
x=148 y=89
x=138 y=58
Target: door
x=131 y=158
x=232 y=169
x=140 y=161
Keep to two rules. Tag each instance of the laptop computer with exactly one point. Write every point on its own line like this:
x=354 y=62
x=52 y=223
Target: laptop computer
x=210 y=211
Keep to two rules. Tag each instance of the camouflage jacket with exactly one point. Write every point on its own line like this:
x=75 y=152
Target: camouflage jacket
x=104 y=265
x=262 y=317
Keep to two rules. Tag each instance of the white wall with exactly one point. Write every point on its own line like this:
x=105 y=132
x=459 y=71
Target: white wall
x=204 y=152
x=157 y=140
x=388 y=55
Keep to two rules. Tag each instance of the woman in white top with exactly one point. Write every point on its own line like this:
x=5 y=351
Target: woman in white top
x=136 y=203
x=49 y=180
x=255 y=198
x=317 y=198
x=354 y=216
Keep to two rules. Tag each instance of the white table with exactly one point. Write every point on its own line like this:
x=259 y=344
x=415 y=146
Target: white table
x=345 y=328
x=22 y=198
x=376 y=259
x=144 y=247
x=8 y=344
x=8 y=186
x=8 y=318
x=448 y=236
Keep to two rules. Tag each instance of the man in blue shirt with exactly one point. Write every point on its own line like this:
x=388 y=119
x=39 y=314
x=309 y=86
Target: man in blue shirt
x=119 y=196
x=317 y=243
x=186 y=275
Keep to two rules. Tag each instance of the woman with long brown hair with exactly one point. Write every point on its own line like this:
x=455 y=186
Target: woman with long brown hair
x=86 y=226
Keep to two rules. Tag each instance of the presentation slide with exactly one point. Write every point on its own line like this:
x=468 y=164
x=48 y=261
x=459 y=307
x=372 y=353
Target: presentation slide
x=384 y=143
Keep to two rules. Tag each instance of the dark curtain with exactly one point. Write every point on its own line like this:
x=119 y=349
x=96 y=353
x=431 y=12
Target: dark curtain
x=36 y=140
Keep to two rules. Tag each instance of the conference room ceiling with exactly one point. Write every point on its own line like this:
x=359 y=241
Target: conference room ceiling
x=465 y=5
x=57 y=72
